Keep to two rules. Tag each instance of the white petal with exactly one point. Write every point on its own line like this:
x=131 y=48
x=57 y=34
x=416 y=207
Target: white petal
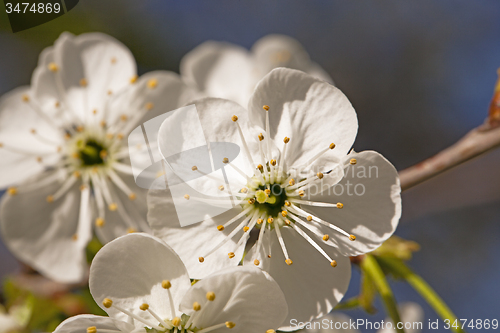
x=311 y=286
x=311 y=112
x=220 y=70
x=246 y=296
x=130 y=270
x=196 y=240
x=41 y=233
x=80 y=323
x=17 y=119
x=372 y=203
x=318 y=72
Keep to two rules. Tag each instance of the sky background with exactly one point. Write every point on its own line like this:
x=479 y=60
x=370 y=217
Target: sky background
x=419 y=74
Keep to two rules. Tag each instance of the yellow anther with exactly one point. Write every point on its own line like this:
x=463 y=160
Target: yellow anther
x=287 y=222
x=50 y=198
x=119 y=136
x=221 y=188
x=251 y=201
x=149 y=106
x=110 y=92
x=309 y=218
x=234 y=118
x=53 y=67
x=211 y=296
x=79 y=129
x=131 y=230
x=220 y=227
x=320 y=175
x=270 y=331
x=74 y=238
x=67 y=136
x=92 y=329
x=244 y=190
x=270 y=220
x=33 y=131
x=231 y=255
x=260 y=221
x=353 y=161
x=176 y=321
x=186 y=196
x=25 y=98
x=245 y=228
x=287 y=203
x=352 y=238
x=289 y=262
x=260 y=167
x=83 y=82
x=273 y=162
x=57 y=104
x=332 y=145
x=39 y=159
x=99 y=222
x=112 y=207
x=133 y=79
x=107 y=303
x=123 y=117
x=165 y=284
x=302 y=193
x=269 y=256
x=103 y=154
x=201 y=259
x=95 y=169
x=284 y=213
x=291 y=182
x=59 y=149
x=194 y=168
x=196 y=306
x=286 y=139
x=76 y=174
x=267 y=191
x=333 y=264
x=230 y=324
x=113 y=60
x=256 y=262
x=266 y=107
x=340 y=205
x=152 y=83
x=225 y=160
x=326 y=237
x=144 y=306
x=82 y=187
x=132 y=196
x=102 y=123
x=261 y=137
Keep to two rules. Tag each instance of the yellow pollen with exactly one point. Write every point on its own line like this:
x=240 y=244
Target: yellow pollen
x=119 y=136
x=269 y=256
x=225 y=160
x=165 y=284
x=144 y=306
x=176 y=321
x=309 y=218
x=82 y=187
x=107 y=303
x=244 y=190
x=110 y=92
x=221 y=188
x=95 y=169
x=76 y=174
x=220 y=227
x=245 y=228
x=320 y=175
x=149 y=106
x=352 y=238
x=25 y=98
x=53 y=67
x=267 y=191
x=99 y=222
x=12 y=190
x=302 y=193
x=201 y=259
x=333 y=264
x=152 y=83
x=123 y=117
x=196 y=306
x=286 y=139
x=103 y=154
x=284 y=213
x=67 y=136
x=231 y=255
x=289 y=262
x=230 y=324
x=74 y=238
x=132 y=196
x=59 y=149
x=332 y=145
x=261 y=137
x=133 y=79
x=83 y=82
x=131 y=230
x=266 y=107
x=57 y=104
x=211 y=296
x=92 y=329
x=50 y=198
x=273 y=162
x=194 y=168
x=102 y=123
x=79 y=129
x=270 y=220
x=326 y=237
x=39 y=159
x=270 y=331
x=113 y=60
x=234 y=118
x=340 y=205
x=113 y=206
x=260 y=221
x=353 y=161
x=33 y=131
x=291 y=182
x=260 y=167
x=256 y=262
x=287 y=203
x=251 y=201
x=186 y=196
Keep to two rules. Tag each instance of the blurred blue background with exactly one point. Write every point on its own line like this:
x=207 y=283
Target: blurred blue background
x=419 y=74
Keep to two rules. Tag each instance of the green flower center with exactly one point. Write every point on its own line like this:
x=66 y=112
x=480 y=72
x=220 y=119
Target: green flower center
x=90 y=152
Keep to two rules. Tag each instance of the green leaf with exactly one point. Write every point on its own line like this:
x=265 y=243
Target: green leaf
x=371 y=268
x=367 y=294
x=349 y=304
x=399 y=268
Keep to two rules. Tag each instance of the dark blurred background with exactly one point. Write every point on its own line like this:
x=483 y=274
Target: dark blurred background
x=419 y=74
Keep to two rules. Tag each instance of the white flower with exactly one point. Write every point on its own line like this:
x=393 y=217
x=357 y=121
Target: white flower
x=62 y=151
x=411 y=314
x=301 y=216
x=141 y=282
x=229 y=71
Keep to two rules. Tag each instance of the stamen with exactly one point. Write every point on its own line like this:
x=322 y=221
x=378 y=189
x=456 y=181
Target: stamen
x=315 y=203
x=353 y=161
x=302 y=213
x=12 y=190
x=312 y=242
x=282 y=164
x=109 y=303
x=312 y=160
x=64 y=188
x=227 y=324
x=152 y=83
x=259 y=242
x=245 y=146
x=282 y=243
x=231 y=235
x=166 y=285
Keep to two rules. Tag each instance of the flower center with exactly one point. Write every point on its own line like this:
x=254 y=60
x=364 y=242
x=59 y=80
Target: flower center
x=90 y=152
